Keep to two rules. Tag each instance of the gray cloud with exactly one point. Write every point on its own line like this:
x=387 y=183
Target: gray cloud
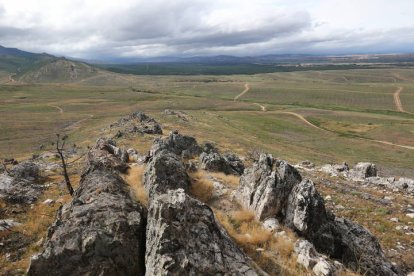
x=132 y=28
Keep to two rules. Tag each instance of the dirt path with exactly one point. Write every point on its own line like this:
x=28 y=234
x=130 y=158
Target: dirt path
x=246 y=89
x=262 y=107
x=397 y=99
x=76 y=124
x=300 y=117
x=57 y=107
x=11 y=78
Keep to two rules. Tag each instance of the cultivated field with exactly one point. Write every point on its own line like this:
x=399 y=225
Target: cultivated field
x=323 y=116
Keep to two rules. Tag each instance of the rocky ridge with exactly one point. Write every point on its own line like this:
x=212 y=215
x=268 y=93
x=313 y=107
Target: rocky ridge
x=104 y=230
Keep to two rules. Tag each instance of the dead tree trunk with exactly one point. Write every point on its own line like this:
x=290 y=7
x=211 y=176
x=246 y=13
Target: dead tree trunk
x=60 y=149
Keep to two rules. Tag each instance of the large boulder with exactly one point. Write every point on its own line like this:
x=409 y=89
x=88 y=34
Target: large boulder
x=21 y=184
x=265 y=187
x=165 y=171
x=26 y=170
x=360 y=250
x=312 y=260
x=185 y=146
x=305 y=213
x=363 y=170
x=183 y=238
x=106 y=155
x=228 y=163
x=101 y=232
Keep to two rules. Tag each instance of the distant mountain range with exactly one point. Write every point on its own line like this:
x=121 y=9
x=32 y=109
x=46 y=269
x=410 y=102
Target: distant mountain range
x=43 y=67
x=268 y=59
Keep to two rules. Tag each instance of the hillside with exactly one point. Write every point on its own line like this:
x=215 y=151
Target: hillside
x=29 y=67
x=58 y=71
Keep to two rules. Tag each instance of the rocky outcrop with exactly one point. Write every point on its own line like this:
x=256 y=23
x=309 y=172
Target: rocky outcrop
x=273 y=188
x=185 y=239
x=177 y=113
x=21 y=183
x=182 y=145
x=26 y=170
x=164 y=172
x=402 y=184
x=360 y=249
x=228 y=163
x=336 y=169
x=265 y=187
x=305 y=213
x=101 y=232
x=137 y=122
x=106 y=155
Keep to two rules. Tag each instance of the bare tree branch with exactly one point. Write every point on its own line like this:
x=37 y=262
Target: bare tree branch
x=62 y=158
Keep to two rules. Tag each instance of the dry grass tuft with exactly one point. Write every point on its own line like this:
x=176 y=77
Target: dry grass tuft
x=201 y=187
x=243 y=216
x=276 y=254
x=134 y=180
x=229 y=179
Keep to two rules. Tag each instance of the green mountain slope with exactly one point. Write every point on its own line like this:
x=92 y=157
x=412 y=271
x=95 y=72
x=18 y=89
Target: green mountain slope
x=32 y=68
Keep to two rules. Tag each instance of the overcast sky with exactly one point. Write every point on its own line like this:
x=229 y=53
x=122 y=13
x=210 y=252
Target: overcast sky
x=133 y=28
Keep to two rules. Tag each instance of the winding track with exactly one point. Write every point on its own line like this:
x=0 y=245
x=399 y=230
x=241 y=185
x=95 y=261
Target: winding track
x=397 y=99
x=303 y=119
x=246 y=89
x=57 y=107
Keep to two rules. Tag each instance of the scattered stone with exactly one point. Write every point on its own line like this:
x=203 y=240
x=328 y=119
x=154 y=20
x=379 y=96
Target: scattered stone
x=328 y=198
x=48 y=201
x=394 y=220
x=410 y=215
x=335 y=170
x=135 y=156
x=179 y=114
x=312 y=260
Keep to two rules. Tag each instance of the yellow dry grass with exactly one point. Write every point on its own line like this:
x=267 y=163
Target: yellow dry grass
x=201 y=187
x=230 y=180
x=272 y=253
x=134 y=179
x=36 y=221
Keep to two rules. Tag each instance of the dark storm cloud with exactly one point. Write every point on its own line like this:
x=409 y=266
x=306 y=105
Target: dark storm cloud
x=128 y=28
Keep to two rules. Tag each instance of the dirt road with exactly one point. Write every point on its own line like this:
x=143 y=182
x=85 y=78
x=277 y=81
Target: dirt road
x=57 y=107
x=262 y=107
x=246 y=89
x=397 y=99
